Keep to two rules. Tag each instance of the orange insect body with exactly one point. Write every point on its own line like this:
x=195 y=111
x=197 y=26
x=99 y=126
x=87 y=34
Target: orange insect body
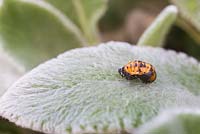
x=138 y=69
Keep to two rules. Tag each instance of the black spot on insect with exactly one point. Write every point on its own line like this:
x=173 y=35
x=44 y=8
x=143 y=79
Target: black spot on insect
x=145 y=78
x=151 y=69
x=139 y=70
x=135 y=65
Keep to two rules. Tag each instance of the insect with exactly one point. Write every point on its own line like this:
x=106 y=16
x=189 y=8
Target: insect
x=138 y=70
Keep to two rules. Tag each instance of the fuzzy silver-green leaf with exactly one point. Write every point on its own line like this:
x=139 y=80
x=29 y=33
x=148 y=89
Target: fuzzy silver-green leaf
x=176 y=121
x=156 y=33
x=34 y=31
x=81 y=90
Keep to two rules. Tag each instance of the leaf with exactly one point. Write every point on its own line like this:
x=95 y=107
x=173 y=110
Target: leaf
x=84 y=13
x=177 y=121
x=34 y=31
x=156 y=33
x=189 y=17
x=81 y=91
x=9 y=70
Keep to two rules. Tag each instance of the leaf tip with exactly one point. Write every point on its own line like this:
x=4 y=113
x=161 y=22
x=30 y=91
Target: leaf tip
x=157 y=31
x=172 y=8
